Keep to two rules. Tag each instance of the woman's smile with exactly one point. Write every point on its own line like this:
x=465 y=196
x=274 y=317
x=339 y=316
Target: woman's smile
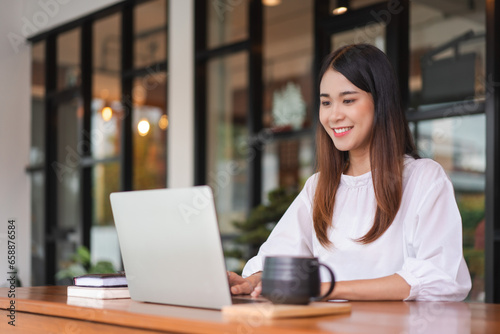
x=342 y=131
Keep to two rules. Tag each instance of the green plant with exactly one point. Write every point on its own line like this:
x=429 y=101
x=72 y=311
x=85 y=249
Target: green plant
x=262 y=219
x=80 y=264
x=475 y=261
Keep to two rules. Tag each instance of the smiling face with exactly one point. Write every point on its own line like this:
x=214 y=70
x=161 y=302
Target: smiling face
x=346 y=112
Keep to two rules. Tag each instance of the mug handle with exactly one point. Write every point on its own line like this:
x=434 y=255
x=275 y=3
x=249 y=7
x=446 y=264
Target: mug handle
x=332 y=284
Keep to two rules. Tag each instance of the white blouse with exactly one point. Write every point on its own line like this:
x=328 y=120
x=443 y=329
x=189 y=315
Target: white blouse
x=423 y=244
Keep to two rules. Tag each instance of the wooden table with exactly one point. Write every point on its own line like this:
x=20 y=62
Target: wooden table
x=48 y=310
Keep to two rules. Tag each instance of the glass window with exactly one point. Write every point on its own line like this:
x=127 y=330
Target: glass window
x=286 y=164
x=105 y=180
x=288 y=100
x=228 y=139
x=68 y=59
x=447 y=53
x=227 y=22
x=107 y=111
x=288 y=55
x=106 y=117
x=103 y=236
x=150 y=123
x=105 y=128
x=67 y=169
x=459 y=145
x=150 y=33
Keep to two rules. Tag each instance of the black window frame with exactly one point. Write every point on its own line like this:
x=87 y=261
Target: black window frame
x=492 y=110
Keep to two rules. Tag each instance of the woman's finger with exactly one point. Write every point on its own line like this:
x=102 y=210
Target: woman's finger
x=257 y=291
x=240 y=289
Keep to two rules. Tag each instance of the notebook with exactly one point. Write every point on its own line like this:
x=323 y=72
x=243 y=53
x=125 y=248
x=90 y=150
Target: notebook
x=171 y=247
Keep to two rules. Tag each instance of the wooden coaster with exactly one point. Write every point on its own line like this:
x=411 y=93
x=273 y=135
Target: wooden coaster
x=273 y=311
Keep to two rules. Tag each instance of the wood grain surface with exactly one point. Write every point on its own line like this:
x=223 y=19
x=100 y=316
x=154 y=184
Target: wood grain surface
x=46 y=310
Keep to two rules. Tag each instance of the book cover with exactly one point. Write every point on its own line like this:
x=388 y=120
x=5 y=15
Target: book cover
x=98 y=292
x=101 y=280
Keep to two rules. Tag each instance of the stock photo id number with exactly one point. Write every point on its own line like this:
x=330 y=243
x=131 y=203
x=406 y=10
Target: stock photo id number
x=12 y=272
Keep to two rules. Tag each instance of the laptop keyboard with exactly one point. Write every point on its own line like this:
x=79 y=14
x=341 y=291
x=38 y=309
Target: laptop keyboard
x=247 y=300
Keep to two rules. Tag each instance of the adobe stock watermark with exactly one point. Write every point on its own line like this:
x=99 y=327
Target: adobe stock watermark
x=200 y=201
x=84 y=308
x=221 y=179
x=37 y=22
x=248 y=322
x=12 y=271
x=221 y=7
x=425 y=315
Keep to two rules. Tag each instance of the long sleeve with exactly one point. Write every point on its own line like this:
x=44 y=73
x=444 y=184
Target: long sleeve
x=292 y=236
x=433 y=258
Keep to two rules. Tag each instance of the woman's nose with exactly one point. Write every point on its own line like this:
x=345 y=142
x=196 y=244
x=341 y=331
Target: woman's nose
x=336 y=114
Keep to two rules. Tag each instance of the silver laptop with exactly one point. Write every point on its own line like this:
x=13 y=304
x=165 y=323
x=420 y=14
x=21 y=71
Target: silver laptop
x=171 y=247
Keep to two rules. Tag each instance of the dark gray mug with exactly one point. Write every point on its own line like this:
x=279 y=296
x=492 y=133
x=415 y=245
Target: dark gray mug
x=293 y=280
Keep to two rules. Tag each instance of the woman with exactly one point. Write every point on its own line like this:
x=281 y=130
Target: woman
x=384 y=220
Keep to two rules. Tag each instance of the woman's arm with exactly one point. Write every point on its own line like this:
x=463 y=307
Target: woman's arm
x=392 y=287
x=433 y=260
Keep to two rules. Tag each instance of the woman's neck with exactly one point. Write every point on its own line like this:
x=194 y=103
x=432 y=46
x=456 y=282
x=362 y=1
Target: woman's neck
x=359 y=164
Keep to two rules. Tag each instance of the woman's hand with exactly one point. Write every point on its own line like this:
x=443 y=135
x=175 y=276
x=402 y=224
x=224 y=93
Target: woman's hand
x=244 y=286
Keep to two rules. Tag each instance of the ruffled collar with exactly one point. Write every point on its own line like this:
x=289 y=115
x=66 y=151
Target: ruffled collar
x=356 y=181
x=366 y=178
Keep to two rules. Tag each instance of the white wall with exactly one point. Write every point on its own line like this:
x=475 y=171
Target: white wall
x=180 y=94
x=14 y=144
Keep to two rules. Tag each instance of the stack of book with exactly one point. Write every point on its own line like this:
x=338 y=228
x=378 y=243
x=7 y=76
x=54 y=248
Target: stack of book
x=99 y=286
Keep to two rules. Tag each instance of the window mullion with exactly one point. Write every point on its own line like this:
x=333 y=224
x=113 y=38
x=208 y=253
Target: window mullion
x=127 y=62
x=255 y=101
x=50 y=157
x=86 y=91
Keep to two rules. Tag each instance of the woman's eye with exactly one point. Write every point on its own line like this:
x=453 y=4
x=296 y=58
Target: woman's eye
x=348 y=101
x=325 y=103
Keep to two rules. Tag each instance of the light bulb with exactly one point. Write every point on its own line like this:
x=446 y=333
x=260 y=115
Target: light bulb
x=143 y=127
x=163 y=122
x=339 y=10
x=271 y=3
x=107 y=113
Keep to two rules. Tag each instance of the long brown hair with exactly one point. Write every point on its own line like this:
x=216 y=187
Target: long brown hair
x=369 y=69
